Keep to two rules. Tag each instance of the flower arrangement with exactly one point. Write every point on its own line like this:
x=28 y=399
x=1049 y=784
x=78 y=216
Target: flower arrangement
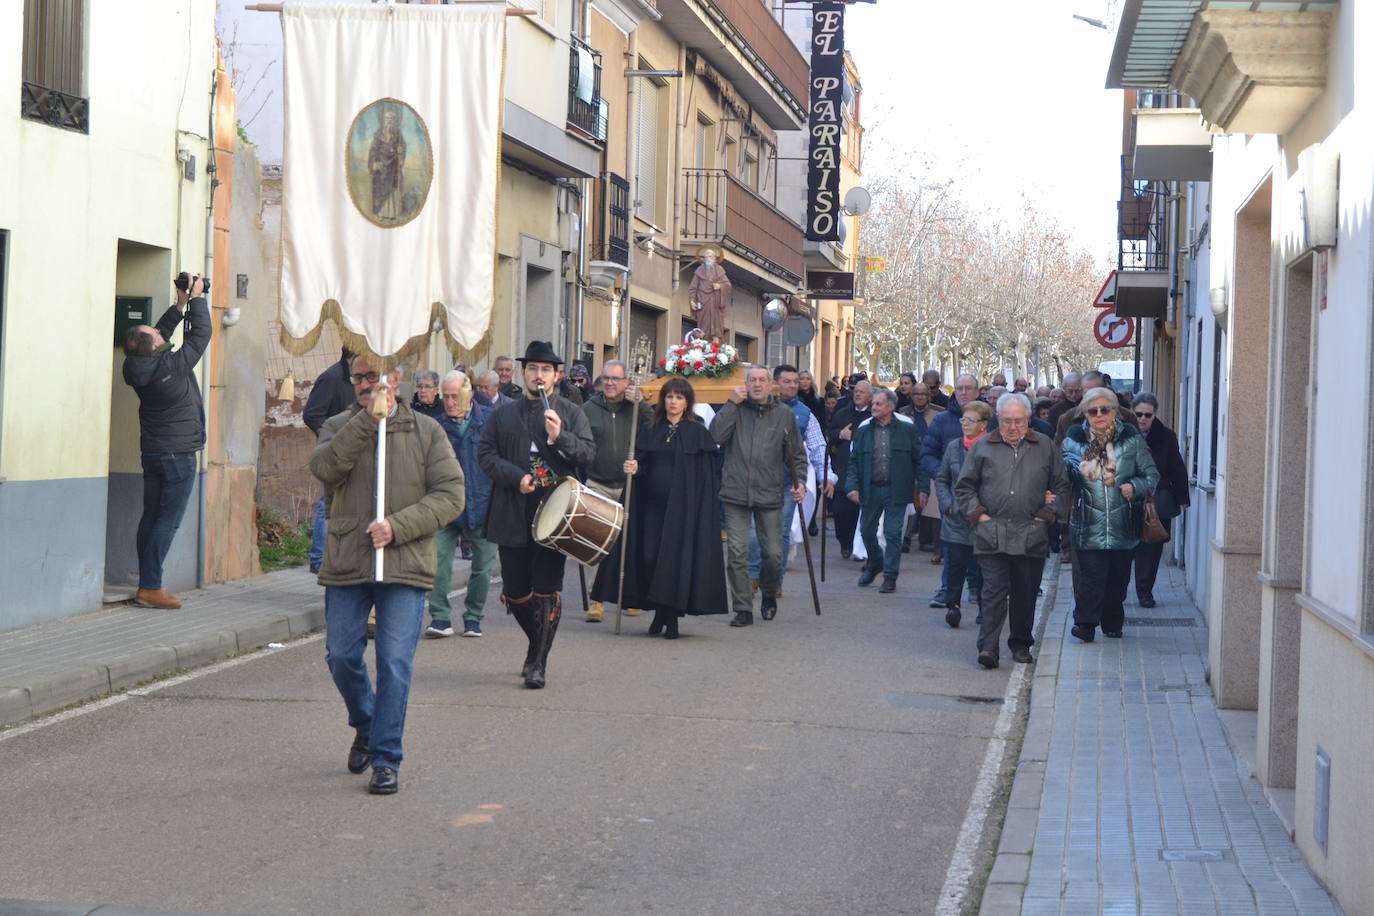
x=696 y=357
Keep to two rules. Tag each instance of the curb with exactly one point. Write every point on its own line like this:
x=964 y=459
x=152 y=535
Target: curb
x=44 y=908
x=101 y=678
x=1006 y=883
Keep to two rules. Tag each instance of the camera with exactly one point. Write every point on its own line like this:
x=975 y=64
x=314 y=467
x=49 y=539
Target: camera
x=183 y=283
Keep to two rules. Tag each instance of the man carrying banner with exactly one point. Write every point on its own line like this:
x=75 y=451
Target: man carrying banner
x=424 y=492
x=525 y=449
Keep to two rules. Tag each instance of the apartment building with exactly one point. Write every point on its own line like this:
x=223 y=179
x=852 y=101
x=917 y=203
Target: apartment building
x=1253 y=151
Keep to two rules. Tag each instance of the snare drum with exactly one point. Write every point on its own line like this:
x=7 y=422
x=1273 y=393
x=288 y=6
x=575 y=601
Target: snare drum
x=578 y=522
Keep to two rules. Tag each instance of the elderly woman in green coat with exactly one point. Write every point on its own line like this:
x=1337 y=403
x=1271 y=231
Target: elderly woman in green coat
x=1112 y=472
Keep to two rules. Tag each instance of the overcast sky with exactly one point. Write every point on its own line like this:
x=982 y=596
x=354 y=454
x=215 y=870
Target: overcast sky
x=1005 y=96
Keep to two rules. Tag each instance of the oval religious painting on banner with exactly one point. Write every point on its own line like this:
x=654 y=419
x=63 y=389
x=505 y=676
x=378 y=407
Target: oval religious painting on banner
x=389 y=162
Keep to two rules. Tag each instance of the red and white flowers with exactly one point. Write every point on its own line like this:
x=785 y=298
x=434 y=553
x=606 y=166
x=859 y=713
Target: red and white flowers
x=699 y=357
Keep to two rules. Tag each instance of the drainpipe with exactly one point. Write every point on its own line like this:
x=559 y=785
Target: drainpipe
x=631 y=147
x=207 y=373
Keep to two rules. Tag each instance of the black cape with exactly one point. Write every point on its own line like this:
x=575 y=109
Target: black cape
x=675 y=560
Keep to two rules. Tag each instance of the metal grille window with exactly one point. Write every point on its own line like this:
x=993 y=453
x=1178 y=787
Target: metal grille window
x=54 y=86
x=617 y=219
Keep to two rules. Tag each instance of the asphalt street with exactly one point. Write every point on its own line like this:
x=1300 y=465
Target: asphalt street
x=804 y=765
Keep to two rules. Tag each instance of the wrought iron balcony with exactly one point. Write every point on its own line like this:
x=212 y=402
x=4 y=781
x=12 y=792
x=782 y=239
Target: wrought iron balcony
x=720 y=209
x=51 y=106
x=584 y=90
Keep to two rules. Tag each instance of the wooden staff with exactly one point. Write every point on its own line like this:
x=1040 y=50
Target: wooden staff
x=380 y=407
x=633 y=397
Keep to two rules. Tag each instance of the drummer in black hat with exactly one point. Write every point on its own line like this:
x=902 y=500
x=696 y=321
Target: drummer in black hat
x=525 y=449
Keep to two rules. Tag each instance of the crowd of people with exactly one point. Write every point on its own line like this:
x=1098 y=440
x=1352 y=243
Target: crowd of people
x=990 y=479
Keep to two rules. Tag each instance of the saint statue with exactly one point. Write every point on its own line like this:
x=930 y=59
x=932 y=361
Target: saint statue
x=710 y=294
x=385 y=160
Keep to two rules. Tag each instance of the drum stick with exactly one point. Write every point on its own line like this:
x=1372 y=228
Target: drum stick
x=629 y=484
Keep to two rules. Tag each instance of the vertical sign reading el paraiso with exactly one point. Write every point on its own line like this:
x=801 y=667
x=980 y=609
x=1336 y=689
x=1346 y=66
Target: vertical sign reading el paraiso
x=827 y=89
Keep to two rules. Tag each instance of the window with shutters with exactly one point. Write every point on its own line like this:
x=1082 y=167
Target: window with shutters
x=54 y=84
x=646 y=158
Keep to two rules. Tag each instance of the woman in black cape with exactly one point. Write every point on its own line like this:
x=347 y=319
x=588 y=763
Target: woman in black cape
x=675 y=564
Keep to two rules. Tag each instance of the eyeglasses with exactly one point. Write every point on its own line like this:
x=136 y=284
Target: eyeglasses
x=1099 y=411
x=972 y=420
x=1144 y=416
x=359 y=376
x=615 y=378
x=425 y=386
x=1012 y=421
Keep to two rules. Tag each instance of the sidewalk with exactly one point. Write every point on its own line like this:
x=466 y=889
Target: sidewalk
x=52 y=665
x=1128 y=797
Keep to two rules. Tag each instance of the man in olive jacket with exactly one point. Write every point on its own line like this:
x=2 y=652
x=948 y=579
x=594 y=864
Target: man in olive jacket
x=424 y=492
x=758 y=433
x=1012 y=488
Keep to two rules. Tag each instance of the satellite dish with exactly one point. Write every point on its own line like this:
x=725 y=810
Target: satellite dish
x=774 y=314
x=857 y=202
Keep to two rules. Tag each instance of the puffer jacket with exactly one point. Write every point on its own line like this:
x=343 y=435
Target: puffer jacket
x=171 y=415
x=1103 y=519
x=954 y=528
x=610 y=425
x=424 y=492
x=754 y=438
x=1009 y=484
x=476 y=484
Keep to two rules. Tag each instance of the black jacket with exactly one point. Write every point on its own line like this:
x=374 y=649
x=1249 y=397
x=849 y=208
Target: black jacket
x=1173 y=473
x=332 y=394
x=850 y=416
x=504 y=454
x=171 y=415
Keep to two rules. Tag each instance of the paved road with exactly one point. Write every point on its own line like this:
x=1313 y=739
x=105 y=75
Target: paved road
x=807 y=765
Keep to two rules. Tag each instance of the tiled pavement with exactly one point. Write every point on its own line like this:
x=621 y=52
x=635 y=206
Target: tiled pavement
x=1127 y=797
x=51 y=665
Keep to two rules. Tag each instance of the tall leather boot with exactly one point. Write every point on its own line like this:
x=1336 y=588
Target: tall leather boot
x=549 y=609
x=526 y=614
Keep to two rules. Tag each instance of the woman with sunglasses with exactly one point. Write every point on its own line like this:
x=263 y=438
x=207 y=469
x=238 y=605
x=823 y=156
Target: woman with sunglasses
x=1113 y=474
x=1171 y=493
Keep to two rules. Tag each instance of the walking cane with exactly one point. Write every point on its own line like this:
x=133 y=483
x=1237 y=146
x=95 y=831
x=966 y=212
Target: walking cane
x=629 y=484
x=806 y=546
x=820 y=507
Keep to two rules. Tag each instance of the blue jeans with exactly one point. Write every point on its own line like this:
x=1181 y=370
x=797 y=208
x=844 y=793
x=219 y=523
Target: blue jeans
x=317 y=538
x=789 y=509
x=167 y=483
x=894 y=523
x=379 y=715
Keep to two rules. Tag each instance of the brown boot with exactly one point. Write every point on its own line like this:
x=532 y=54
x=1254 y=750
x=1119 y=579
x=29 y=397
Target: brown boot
x=156 y=597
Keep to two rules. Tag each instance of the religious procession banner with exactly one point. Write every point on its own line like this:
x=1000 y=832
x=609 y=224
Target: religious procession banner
x=390 y=172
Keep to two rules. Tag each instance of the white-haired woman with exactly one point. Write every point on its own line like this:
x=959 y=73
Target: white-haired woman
x=1113 y=473
x=426 y=397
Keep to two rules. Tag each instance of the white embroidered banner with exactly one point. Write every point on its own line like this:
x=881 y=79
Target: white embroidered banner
x=390 y=171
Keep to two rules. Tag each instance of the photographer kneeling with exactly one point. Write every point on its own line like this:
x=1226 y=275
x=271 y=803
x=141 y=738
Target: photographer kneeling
x=171 y=421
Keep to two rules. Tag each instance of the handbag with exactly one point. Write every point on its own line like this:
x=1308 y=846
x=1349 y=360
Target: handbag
x=1152 y=530
x=1165 y=504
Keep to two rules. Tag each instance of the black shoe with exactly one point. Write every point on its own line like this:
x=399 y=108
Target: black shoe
x=534 y=676
x=656 y=627
x=987 y=659
x=1022 y=655
x=768 y=607
x=953 y=616
x=743 y=619
x=845 y=553
x=906 y=546
x=1084 y=633
x=813 y=530
x=889 y=585
x=1112 y=634
x=383 y=781
x=359 y=755
x=867 y=576
x=939 y=599
x=1147 y=601
x=670 y=627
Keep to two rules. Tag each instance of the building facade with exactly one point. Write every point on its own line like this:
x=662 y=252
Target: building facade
x=1258 y=124
x=119 y=152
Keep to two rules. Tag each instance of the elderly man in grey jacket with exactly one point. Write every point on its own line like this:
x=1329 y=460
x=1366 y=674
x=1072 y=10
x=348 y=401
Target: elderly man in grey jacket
x=1012 y=488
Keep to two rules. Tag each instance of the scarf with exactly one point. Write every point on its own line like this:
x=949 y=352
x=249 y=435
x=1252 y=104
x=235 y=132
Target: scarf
x=968 y=443
x=1099 y=459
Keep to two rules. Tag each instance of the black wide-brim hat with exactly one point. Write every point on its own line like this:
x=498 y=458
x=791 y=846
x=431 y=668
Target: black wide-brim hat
x=541 y=351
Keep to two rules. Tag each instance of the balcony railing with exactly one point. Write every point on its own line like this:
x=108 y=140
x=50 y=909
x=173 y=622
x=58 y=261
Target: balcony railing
x=584 y=90
x=721 y=209
x=50 y=106
x=1141 y=227
x=765 y=35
